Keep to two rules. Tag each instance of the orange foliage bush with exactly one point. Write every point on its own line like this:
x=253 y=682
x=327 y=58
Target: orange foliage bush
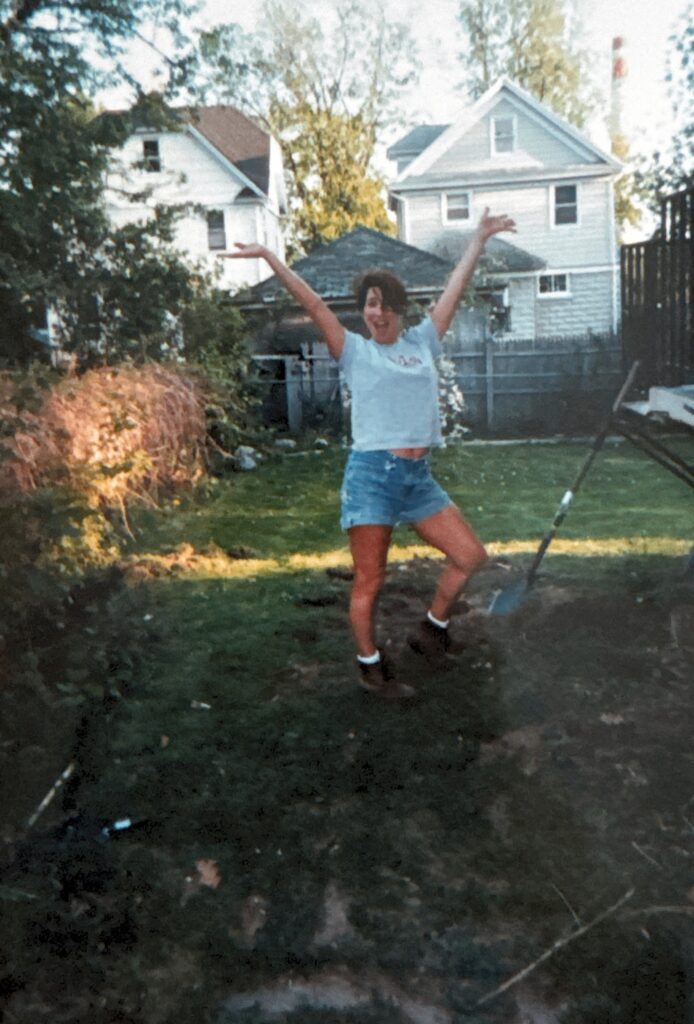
x=112 y=434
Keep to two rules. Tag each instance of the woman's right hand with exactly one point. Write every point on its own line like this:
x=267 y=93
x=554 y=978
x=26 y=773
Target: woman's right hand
x=246 y=250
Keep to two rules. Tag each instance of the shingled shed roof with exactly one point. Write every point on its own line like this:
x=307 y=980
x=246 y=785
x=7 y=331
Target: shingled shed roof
x=331 y=268
x=237 y=138
x=416 y=140
x=499 y=257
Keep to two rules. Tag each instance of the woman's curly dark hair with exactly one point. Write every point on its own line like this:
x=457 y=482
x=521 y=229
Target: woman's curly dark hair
x=392 y=289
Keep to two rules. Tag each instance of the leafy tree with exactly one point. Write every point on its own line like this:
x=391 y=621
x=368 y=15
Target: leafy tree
x=54 y=150
x=329 y=165
x=672 y=169
x=127 y=294
x=680 y=75
x=530 y=42
x=627 y=207
x=325 y=93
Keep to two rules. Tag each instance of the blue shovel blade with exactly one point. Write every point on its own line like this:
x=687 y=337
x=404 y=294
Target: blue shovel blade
x=507 y=601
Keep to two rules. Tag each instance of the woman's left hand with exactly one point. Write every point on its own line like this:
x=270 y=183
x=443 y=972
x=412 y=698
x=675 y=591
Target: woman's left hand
x=491 y=225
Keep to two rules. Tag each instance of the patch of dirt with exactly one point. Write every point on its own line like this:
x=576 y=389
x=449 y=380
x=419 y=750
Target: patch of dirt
x=571 y=739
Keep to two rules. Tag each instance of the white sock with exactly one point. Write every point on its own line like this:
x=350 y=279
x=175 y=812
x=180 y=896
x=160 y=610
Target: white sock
x=438 y=622
x=369 y=659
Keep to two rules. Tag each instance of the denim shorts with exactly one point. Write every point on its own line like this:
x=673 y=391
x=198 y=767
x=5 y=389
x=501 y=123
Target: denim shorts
x=380 y=488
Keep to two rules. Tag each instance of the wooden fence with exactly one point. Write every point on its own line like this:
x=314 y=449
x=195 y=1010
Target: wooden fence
x=658 y=296
x=511 y=389
x=538 y=386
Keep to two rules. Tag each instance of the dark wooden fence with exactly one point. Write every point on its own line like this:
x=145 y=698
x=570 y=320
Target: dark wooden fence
x=658 y=297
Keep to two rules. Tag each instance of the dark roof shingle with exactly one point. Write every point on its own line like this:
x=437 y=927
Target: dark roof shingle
x=330 y=269
x=499 y=256
x=416 y=140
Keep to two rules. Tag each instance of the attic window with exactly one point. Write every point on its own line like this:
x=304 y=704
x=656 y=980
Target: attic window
x=503 y=134
x=456 y=207
x=550 y=285
x=565 y=204
x=150 y=155
x=216 y=233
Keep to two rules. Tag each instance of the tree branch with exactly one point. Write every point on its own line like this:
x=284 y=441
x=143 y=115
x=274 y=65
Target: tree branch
x=559 y=944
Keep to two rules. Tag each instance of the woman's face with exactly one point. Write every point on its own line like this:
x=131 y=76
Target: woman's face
x=384 y=323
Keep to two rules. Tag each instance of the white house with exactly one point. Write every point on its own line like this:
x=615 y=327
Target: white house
x=560 y=273
x=223 y=164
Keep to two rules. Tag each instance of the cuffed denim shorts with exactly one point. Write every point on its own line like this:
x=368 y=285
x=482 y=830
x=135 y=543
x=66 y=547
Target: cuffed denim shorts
x=380 y=488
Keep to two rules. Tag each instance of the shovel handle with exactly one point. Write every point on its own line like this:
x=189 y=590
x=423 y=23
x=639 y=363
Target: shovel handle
x=600 y=439
x=571 y=493
x=625 y=387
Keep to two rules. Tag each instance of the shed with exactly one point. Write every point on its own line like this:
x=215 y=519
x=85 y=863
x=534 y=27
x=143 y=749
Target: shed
x=301 y=379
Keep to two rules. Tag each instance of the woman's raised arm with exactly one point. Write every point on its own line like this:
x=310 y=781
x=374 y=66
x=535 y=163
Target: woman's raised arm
x=322 y=316
x=447 y=304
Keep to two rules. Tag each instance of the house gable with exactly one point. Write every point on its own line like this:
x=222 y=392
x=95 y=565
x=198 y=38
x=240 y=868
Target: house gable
x=247 y=187
x=189 y=169
x=246 y=156
x=246 y=148
x=542 y=143
x=221 y=169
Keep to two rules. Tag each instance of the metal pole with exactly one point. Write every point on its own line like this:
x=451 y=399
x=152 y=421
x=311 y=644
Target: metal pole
x=489 y=381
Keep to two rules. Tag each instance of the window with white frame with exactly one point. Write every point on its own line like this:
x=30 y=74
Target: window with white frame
x=565 y=204
x=456 y=207
x=151 y=156
x=216 y=233
x=503 y=134
x=553 y=285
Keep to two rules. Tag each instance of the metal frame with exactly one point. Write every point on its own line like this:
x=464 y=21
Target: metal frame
x=641 y=433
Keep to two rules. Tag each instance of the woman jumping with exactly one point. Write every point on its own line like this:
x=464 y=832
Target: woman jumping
x=395 y=422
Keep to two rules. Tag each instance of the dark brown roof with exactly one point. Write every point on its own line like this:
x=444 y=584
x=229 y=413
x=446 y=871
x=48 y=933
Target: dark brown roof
x=330 y=269
x=237 y=138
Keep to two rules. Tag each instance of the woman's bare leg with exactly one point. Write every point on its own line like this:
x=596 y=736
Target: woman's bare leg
x=448 y=531
x=369 y=545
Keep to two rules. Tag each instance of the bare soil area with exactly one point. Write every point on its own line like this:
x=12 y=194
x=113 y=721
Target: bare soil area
x=515 y=844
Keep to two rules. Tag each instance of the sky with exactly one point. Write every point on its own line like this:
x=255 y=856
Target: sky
x=644 y=24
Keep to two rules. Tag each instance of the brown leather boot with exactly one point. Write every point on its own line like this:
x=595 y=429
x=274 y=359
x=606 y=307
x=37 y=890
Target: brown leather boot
x=380 y=680
x=433 y=643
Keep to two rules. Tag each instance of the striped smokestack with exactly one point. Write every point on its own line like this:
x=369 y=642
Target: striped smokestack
x=618 y=140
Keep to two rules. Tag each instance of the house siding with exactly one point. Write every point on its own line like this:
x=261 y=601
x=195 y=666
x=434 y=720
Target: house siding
x=535 y=146
x=586 y=244
x=190 y=173
x=521 y=184
x=423 y=219
x=521 y=294
x=587 y=308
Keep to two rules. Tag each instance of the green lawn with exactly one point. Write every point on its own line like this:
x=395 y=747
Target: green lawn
x=236 y=735
x=509 y=493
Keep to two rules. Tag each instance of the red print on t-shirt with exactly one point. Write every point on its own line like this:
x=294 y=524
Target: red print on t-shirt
x=407 y=361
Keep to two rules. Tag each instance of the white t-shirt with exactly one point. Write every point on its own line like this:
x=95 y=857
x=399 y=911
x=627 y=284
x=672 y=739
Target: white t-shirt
x=394 y=389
